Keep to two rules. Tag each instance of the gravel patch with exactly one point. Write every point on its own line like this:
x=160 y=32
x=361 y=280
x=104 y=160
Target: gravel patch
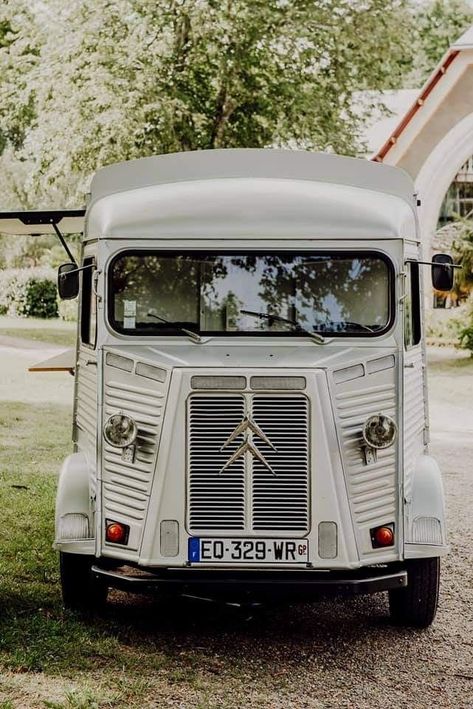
x=332 y=654
x=337 y=653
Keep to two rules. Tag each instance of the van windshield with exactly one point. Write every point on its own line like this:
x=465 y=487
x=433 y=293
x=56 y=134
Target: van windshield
x=340 y=293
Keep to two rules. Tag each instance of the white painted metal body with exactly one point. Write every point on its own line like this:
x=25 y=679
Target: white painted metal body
x=248 y=200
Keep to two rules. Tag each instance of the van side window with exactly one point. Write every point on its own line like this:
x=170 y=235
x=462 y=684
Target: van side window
x=88 y=320
x=412 y=328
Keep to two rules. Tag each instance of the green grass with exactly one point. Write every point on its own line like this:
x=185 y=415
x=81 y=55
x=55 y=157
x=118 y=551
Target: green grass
x=75 y=700
x=125 y=651
x=57 y=332
x=36 y=634
x=451 y=378
x=462 y=364
x=130 y=650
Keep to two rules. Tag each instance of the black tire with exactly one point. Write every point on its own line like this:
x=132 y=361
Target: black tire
x=416 y=604
x=81 y=590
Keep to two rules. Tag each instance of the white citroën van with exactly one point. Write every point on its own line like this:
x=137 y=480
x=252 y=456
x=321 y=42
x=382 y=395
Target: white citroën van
x=250 y=411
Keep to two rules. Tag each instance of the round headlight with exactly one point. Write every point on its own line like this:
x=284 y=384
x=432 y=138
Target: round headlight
x=120 y=431
x=380 y=431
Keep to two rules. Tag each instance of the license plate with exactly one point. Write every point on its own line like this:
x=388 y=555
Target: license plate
x=263 y=551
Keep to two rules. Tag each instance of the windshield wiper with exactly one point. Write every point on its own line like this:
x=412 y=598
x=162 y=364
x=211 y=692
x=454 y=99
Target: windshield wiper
x=296 y=325
x=194 y=336
x=354 y=325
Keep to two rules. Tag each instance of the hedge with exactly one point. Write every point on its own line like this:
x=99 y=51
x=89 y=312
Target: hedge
x=447 y=323
x=28 y=292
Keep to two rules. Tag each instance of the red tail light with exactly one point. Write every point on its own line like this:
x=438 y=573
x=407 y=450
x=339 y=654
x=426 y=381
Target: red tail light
x=383 y=536
x=116 y=532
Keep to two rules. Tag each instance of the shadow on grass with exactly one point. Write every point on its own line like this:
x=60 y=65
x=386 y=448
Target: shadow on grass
x=191 y=632
x=148 y=633
x=143 y=634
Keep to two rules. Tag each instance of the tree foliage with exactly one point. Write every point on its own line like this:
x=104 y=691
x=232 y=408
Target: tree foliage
x=19 y=48
x=95 y=81
x=28 y=292
x=438 y=23
x=462 y=248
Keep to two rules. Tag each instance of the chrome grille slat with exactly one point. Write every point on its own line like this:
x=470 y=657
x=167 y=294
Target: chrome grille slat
x=246 y=497
x=281 y=501
x=215 y=500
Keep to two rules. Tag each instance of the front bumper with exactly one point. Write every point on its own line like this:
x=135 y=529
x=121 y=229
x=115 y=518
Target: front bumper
x=265 y=584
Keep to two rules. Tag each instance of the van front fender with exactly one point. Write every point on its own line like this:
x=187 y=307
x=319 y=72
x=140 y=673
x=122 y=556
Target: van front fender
x=425 y=524
x=74 y=518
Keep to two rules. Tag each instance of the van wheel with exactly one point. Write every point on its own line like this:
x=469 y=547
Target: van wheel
x=81 y=591
x=416 y=604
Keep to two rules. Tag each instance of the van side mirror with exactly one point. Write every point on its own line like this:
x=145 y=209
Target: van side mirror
x=68 y=281
x=442 y=272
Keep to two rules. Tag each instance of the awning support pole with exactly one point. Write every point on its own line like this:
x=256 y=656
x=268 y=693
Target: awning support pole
x=63 y=242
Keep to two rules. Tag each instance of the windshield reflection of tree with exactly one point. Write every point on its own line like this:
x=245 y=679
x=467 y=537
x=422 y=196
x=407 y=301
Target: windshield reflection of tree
x=324 y=291
x=167 y=286
x=210 y=291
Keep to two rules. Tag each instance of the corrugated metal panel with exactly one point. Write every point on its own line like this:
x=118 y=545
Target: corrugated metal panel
x=414 y=415
x=127 y=485
x=86 y=411
x=247 y=495
x=124 y=501
x=372 y=489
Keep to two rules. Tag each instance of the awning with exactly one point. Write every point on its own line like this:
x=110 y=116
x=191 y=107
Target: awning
x=36 y=223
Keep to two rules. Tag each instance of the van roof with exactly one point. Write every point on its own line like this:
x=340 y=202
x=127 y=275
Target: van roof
x=250 y=194
x=251 y=163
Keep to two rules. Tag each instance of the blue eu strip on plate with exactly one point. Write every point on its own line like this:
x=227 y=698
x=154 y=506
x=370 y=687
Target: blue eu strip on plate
x=194 y=549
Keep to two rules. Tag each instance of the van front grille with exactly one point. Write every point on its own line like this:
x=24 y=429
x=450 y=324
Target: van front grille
x=217 y=500
x=280 y=501
x=249 y=494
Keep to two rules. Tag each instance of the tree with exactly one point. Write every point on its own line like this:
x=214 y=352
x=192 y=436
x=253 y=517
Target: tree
x=462 y=248
x=438 y=23
x=18 y=55
x=457 y=237
x=111 y=80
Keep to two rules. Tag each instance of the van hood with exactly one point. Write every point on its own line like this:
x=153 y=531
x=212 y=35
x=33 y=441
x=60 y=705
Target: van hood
x=246 y=355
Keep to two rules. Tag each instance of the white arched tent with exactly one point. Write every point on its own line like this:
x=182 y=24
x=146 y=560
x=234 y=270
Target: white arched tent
x=434 y=137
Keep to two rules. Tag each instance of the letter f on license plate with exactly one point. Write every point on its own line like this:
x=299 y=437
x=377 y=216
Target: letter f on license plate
x=263 y=551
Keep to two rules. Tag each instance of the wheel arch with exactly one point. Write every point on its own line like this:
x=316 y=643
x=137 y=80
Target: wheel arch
x=74 y=515
x=425 y=521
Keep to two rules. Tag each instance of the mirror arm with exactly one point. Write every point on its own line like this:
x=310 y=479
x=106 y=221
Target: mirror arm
x=79 y=268
x=433 y=263
x=63 y=242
